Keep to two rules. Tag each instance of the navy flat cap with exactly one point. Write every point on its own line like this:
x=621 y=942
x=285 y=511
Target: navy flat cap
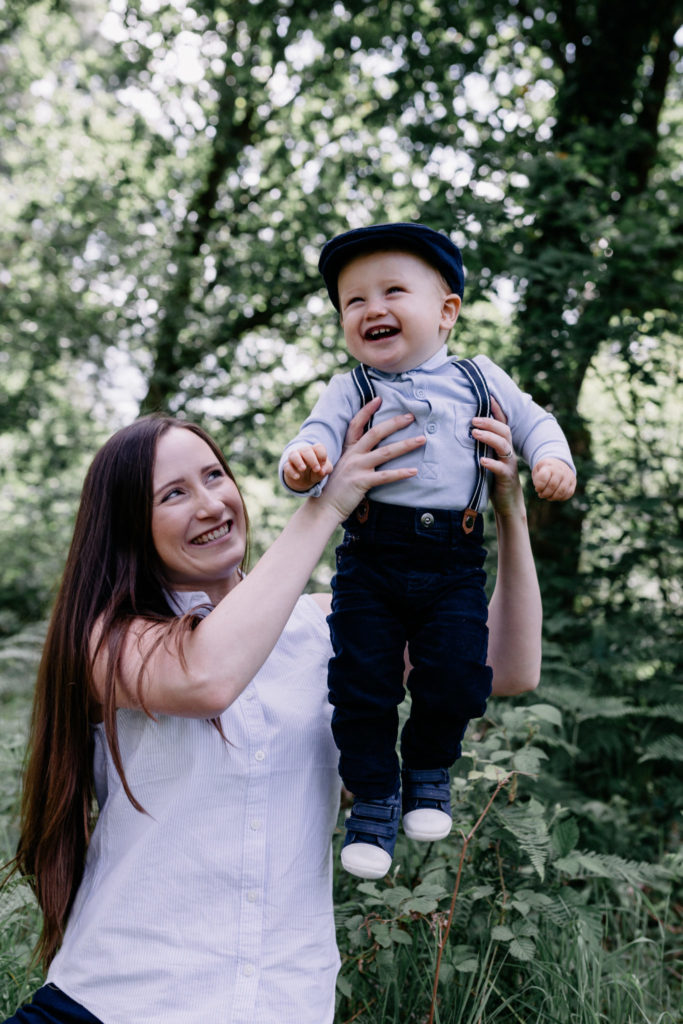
x=433 y=246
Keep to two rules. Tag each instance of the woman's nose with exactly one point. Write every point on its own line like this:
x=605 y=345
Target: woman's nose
x=209 y=504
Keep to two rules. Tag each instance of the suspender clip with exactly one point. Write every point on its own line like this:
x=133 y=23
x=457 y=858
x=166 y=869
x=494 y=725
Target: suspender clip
x=362 y=511
x=469 y=518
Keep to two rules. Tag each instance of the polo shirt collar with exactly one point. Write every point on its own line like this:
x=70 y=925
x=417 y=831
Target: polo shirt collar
x=432 y=363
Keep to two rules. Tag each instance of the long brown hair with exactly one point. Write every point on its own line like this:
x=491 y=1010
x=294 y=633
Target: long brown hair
x=112 y=575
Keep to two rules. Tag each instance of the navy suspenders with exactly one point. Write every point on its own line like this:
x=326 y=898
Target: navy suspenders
x=477 y=382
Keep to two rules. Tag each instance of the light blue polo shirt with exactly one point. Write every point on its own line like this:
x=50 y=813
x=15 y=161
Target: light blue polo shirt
x=443 y=404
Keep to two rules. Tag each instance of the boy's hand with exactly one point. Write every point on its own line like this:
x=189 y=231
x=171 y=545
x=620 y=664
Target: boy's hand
x=553 y=480
x=306 y=467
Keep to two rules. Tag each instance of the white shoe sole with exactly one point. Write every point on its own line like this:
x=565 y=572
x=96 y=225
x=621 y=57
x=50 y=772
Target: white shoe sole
x=426 y=824
x=364 y=860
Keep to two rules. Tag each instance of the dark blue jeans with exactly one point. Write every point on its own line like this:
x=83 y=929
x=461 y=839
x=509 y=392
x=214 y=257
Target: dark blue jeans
x=52 y=1006
x=406 y=576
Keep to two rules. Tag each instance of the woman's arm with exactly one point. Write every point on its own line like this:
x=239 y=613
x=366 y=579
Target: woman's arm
x=515 y=612
x=229 y=646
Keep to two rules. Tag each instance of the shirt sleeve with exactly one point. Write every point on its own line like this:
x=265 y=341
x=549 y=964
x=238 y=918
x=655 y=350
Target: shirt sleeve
x=326 y=424
x=536 y=434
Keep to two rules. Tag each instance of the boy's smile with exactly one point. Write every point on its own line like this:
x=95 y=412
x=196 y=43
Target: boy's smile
x=396 y=310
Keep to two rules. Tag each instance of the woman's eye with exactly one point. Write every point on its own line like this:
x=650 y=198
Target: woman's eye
x=170 y=494
x=216 y=474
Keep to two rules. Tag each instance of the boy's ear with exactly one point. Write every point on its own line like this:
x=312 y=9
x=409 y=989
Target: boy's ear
x=450 y=310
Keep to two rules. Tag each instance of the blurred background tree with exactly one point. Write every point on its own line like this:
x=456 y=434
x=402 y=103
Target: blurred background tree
x=170 y=170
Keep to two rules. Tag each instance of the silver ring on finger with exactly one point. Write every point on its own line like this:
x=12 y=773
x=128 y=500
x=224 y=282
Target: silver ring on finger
x=508 y=455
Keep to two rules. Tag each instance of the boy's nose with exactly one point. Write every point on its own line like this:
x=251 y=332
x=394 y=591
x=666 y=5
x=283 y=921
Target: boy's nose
x=376 y=306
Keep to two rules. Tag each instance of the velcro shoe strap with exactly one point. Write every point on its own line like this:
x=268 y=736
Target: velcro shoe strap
x=426 y=775
x=374 y=819
x=372 y=828
x=423 y=791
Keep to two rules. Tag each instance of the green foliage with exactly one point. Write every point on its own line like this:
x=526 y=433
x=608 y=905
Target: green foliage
x=512 y=914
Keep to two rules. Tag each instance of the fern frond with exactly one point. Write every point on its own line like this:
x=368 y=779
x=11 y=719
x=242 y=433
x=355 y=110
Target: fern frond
x=587 y=864
x=667 y=748
x=525 y=822
x=672 y=712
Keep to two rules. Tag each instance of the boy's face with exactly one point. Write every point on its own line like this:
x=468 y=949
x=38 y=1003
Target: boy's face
x=395 y=310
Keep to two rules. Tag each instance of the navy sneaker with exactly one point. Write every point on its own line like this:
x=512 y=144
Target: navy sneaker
x=426 y=803
x=371 y=831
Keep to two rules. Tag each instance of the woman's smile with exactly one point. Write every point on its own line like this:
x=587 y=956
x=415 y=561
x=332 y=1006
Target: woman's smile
x=216 y=534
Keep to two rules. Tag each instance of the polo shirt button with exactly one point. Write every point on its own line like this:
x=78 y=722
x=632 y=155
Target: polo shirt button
x=431 y=428
x=420 y=393
x=248 y=970
x=427 y=519
x=252 y=896
x=259 y=755
x=255 y=825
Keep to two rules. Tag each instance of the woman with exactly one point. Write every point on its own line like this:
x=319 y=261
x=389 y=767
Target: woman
x=206 y=891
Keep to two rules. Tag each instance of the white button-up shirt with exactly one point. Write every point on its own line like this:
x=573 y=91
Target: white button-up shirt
x=443 y=404
x=216 y=905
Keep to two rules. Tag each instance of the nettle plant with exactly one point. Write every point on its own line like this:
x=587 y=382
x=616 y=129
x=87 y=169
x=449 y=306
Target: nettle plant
x=465 y=925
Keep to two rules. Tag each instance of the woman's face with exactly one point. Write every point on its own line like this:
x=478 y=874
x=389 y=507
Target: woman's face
x=198 y=521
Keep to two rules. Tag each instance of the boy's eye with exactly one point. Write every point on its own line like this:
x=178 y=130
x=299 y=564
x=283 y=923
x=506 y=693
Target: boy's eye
x=395 y=288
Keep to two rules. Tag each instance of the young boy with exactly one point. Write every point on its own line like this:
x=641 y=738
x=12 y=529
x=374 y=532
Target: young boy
x=409 y=569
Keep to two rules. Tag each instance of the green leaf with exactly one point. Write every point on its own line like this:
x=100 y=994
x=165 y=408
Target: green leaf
x=565 y=836
x=400 y=936
x=344 y=986
x=419 y=905
x=546 y=712
x=395 y=897
x=467 y=966
x=528 y=760
x=380 y=933
x=522 y=949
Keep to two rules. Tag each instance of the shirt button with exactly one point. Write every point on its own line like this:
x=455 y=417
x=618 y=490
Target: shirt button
x=259 y=755
x=420 y=393
x=427 y=519
x=252 y=896
x=256 y=825
x=431 y=428
x=248 y=970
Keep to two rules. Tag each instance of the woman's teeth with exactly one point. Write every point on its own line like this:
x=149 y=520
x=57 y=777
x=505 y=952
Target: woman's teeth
x=221 y=531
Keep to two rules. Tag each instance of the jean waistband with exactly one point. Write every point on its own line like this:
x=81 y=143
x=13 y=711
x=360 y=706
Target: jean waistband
x=439 y=523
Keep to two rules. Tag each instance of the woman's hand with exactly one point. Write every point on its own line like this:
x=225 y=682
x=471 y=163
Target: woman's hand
x=506 y=494
x=359 y=468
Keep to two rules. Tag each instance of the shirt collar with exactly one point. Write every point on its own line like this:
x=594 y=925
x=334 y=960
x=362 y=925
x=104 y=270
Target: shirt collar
x=432 y=363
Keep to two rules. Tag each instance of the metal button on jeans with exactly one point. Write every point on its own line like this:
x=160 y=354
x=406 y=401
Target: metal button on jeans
x=427 y=519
